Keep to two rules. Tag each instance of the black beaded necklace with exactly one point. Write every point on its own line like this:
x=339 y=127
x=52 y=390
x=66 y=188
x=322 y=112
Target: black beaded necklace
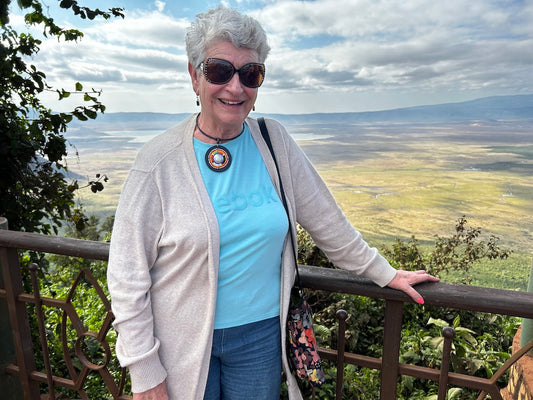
x=217 y=157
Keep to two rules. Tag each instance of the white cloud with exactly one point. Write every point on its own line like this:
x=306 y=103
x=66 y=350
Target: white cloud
x=142 y=29
x=387 y=20
x=391 y=44
x=380 y=50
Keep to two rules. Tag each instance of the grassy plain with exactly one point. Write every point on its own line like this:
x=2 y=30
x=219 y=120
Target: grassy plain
x=398 y=180
x=395 y=180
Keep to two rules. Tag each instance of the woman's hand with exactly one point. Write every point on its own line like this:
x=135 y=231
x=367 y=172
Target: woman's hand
x=405 y=280
x=157 y=393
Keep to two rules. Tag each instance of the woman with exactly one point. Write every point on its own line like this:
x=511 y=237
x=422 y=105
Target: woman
x=200 y=268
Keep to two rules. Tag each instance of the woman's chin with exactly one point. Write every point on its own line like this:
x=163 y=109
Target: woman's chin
x=233 y=114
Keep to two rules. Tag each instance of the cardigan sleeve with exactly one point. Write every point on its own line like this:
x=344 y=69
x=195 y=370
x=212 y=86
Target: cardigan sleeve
x=133 y=250
x=317 y=212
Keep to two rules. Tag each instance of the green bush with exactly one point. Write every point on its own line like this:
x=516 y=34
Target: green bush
x=477 y=350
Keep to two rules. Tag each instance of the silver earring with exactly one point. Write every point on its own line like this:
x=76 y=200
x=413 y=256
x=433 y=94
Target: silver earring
x=197 y=100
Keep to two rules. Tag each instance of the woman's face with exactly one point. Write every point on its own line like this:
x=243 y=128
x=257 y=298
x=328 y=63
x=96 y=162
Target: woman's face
x=224 y=107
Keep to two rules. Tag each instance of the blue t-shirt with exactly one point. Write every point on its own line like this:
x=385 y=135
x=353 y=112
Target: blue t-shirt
x=253 y=224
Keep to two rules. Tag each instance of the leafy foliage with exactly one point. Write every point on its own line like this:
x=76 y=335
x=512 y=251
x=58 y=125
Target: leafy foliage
x=458 y=252
x=477 y=350
x=34 y=192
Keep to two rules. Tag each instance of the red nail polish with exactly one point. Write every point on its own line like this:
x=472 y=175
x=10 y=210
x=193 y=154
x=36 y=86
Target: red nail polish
x=420 y=300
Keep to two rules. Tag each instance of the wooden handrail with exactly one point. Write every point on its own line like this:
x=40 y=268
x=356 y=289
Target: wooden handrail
x=441 y=294
x=55 y=245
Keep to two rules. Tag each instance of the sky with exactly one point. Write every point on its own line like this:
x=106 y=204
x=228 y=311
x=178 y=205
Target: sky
x=326 y=55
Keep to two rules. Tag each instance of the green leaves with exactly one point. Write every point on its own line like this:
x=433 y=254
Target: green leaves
x=95 y=185
x=66 y=3
x=24 y=3
x=50 y=28
x=82 y=113
x=451 y=394
x=63 y=94
x=34 y=192
x=87 y=13
x=457 y=252
x=55 y=148
x=470 y=353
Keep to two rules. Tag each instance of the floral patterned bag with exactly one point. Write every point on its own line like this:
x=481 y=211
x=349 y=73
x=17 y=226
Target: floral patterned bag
x=302 y=344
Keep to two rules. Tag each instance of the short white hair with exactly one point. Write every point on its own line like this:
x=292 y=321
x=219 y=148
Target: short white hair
x=224 y=24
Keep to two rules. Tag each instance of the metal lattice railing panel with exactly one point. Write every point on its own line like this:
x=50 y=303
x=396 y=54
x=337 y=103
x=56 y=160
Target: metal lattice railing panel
x=87 y=353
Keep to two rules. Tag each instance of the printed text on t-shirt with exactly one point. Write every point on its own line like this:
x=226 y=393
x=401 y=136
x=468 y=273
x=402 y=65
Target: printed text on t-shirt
x=240 y=201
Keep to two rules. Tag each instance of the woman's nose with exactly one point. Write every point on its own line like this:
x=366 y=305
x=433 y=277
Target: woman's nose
x=235 y=84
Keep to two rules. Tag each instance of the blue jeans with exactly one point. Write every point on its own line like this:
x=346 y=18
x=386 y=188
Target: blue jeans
x=246 y=362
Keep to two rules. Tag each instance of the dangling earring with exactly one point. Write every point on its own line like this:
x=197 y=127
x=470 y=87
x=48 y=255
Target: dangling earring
x=253 y=108
x=198 y=100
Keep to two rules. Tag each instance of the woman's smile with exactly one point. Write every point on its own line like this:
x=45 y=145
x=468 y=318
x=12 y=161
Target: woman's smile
x=231 y=102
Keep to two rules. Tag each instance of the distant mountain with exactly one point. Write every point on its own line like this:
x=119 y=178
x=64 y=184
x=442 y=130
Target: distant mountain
x=519 y=107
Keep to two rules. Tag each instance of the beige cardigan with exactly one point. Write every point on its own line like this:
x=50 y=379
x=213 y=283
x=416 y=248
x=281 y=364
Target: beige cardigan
x=163 y=262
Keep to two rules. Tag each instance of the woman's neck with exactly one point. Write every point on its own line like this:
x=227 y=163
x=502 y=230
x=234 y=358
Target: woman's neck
x=217 y=135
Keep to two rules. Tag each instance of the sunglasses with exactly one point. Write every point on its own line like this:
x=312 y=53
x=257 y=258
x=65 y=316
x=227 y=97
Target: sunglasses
x=219 y=72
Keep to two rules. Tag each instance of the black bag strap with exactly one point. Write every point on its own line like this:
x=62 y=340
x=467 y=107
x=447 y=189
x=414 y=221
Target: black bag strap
x=266 y=137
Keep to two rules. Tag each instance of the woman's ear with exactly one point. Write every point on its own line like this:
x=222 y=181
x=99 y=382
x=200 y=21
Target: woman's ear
x=193 y=72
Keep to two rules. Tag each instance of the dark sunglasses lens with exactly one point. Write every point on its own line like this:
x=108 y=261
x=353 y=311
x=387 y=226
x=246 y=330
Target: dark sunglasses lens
x=218 y=71
x=252 y=75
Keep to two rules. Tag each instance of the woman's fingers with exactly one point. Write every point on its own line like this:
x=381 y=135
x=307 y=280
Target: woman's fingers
x=405 y=280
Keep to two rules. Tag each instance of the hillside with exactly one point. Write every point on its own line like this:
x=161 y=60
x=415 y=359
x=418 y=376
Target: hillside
x=513 y=108
x=488 y=108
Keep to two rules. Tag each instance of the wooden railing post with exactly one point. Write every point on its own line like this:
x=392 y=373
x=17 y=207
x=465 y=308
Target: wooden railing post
x=392 y=334
x=448 y=333
x=9 y=385
x=20 y=327
x=341 y=340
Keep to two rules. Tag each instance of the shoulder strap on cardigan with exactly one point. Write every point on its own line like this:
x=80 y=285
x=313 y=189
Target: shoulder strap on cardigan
x=266 y=137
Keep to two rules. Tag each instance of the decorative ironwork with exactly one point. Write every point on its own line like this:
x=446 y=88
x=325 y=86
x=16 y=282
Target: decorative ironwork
x=70 y=317
x=85 y=352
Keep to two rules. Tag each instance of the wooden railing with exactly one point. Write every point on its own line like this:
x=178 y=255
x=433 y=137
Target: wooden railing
x=33 y=382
